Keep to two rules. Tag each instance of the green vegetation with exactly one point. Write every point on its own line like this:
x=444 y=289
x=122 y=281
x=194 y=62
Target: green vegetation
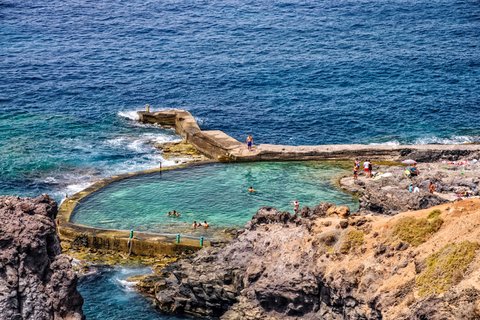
x=434 y=214
x=445 y=268
x=417 y=231
x=352 y=239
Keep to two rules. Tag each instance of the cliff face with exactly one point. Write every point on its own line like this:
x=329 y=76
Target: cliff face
x=321 y=265
x=36 y=281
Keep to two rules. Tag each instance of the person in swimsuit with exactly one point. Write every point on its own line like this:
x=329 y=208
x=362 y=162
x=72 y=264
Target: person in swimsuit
x=249 y=142
x=431 y=187
x=251 y=190
x=356 y=167
x=296 y=206
x=195 y=225
x=205 y=224
x=366 y=168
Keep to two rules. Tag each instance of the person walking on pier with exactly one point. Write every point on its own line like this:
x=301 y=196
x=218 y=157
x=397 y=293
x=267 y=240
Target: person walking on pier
x=249 y=142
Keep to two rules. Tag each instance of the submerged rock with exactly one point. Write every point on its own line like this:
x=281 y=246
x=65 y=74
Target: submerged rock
x=36 y=281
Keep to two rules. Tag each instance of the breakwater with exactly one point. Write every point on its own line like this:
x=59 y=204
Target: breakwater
x=219 y=146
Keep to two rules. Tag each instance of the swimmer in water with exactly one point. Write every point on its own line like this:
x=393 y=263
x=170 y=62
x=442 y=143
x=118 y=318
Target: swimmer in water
x=251 y=190
x=205 y=224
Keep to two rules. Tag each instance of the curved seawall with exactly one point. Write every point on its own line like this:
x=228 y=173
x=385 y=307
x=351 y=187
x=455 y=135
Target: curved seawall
x=142 y=243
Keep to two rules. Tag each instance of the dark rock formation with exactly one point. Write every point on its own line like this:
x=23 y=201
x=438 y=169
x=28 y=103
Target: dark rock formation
x=312 y=266
x=385 y=200
x=264 y=273
x=36 y=281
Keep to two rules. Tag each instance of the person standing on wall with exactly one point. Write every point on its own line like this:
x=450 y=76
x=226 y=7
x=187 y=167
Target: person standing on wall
x=249 y=142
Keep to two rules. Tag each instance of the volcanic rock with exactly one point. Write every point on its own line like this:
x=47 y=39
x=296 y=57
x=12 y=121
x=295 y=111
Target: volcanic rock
x=37 y=282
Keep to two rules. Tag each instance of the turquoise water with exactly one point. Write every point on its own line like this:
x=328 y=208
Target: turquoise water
x=108 y=295
x=216 y=193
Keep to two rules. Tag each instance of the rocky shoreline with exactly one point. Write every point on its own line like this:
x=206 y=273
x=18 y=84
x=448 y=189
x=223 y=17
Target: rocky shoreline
x=388 y=191
x=322 y=263
x=318 y=265
x=37 y=281
x=326 y=263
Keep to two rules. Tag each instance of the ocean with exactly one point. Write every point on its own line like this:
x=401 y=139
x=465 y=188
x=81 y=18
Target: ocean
x=72 y=74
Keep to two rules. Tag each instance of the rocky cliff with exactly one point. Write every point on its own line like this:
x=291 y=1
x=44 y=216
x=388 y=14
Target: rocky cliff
x=36 y=281
x=324 y=264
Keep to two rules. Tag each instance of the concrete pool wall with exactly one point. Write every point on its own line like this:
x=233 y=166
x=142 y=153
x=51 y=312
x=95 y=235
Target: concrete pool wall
x=143 y=243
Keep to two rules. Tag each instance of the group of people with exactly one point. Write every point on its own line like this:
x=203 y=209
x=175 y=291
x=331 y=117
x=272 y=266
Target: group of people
x=414 y=188
x=367 y=168
x=196 y=225
x=173 y=213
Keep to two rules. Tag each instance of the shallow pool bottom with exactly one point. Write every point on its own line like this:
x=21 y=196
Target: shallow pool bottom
x=217 y=193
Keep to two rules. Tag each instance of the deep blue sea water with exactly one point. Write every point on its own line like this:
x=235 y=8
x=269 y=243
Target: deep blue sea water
x=114 y=297
x=292 y=72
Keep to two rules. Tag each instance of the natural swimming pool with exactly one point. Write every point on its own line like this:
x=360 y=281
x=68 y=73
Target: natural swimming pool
x=216 y=193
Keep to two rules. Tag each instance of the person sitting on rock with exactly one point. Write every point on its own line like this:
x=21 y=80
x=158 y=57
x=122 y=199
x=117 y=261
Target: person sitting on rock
x=431 y=187
x=414 y=171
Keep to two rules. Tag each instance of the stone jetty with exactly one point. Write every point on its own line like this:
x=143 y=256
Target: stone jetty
x=218 y=145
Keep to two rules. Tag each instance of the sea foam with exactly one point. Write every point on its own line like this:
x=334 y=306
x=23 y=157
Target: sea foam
x=450 y=140
x=129 y=114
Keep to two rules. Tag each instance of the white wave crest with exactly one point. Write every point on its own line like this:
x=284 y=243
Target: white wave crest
x=450 y=140
x=126 y=285
x=129 y=114
x=387 y=143
x=143 y=143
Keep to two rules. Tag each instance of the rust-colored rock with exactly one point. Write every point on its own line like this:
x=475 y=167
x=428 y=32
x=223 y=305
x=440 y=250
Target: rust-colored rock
x=341 y=211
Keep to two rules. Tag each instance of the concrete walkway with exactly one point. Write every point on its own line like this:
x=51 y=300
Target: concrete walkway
x=219 y=146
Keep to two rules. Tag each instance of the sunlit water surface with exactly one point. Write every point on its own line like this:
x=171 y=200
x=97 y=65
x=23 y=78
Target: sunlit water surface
x=216 y=193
